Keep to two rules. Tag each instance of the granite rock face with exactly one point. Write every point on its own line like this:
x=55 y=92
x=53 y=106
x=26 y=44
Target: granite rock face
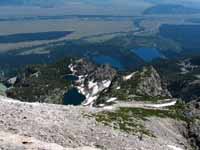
x=84 y=67
x=151 y=84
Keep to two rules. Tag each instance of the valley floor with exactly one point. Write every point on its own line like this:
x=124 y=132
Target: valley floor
x=36 y=125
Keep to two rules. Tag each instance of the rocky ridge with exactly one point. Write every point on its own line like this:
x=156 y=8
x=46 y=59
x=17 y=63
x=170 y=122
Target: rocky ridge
x=141 y=85
x=92 y=79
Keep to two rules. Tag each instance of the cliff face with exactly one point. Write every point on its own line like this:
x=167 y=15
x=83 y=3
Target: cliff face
x=151 y=84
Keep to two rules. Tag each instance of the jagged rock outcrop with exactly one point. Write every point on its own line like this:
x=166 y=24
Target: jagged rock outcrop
x=150 y=84
x=142 y=85
x=83 y=67
x=92 y=80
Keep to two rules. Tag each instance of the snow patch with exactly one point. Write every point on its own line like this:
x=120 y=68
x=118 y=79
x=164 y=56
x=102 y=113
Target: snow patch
x=128 y=77
x=198 y=76
x=108 y=108
x=161 y=105
x=89 y=89
x=106 y=83
x=92 y=84
x=186 y=66
x=12 y=81
x=101 y=105
x=111 y=99
x=174 y=147
x=118 y=88
x=184 y=70
x=81 y=89
x=92 y=89
x=90 y=100
x=35 y=75
x=71 y=67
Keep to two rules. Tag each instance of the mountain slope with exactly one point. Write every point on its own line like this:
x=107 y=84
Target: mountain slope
x=69 y=126
x=30 y=2
x=170 y=9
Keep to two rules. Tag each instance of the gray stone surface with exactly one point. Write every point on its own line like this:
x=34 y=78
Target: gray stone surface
x=67 y=126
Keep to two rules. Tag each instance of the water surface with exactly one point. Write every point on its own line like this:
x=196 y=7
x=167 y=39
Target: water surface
x=71 y=77
x=101 y=59
x=73 y=97
x=147 y=54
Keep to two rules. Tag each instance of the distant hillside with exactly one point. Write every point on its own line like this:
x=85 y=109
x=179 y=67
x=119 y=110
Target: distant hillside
x=30 y=2
x=171 y=9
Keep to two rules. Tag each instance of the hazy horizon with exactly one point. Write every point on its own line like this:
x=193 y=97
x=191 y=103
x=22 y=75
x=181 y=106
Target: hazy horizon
x=83 y=7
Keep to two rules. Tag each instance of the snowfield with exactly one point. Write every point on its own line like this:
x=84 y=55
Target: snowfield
x=111 y=99
x=174 y=147
x=161 y=105
x=128 y=77
x=92 y=90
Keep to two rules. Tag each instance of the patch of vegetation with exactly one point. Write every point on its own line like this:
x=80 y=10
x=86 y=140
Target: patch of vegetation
x=186 y=35
x=130 y=119
x=123 y=119
x=2 y=89
x=147 y=98
x=43 y=83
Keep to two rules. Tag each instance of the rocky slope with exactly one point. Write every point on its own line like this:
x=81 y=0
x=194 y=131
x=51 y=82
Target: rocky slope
x=132 y=97
x=183 y=81
x=193 y=134
x=142 y=85
x=46 y=126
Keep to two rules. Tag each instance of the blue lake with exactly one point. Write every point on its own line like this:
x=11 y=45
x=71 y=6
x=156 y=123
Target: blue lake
x=71 y=77
x=73 y=97
x=147 y=54
x=101 y=59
